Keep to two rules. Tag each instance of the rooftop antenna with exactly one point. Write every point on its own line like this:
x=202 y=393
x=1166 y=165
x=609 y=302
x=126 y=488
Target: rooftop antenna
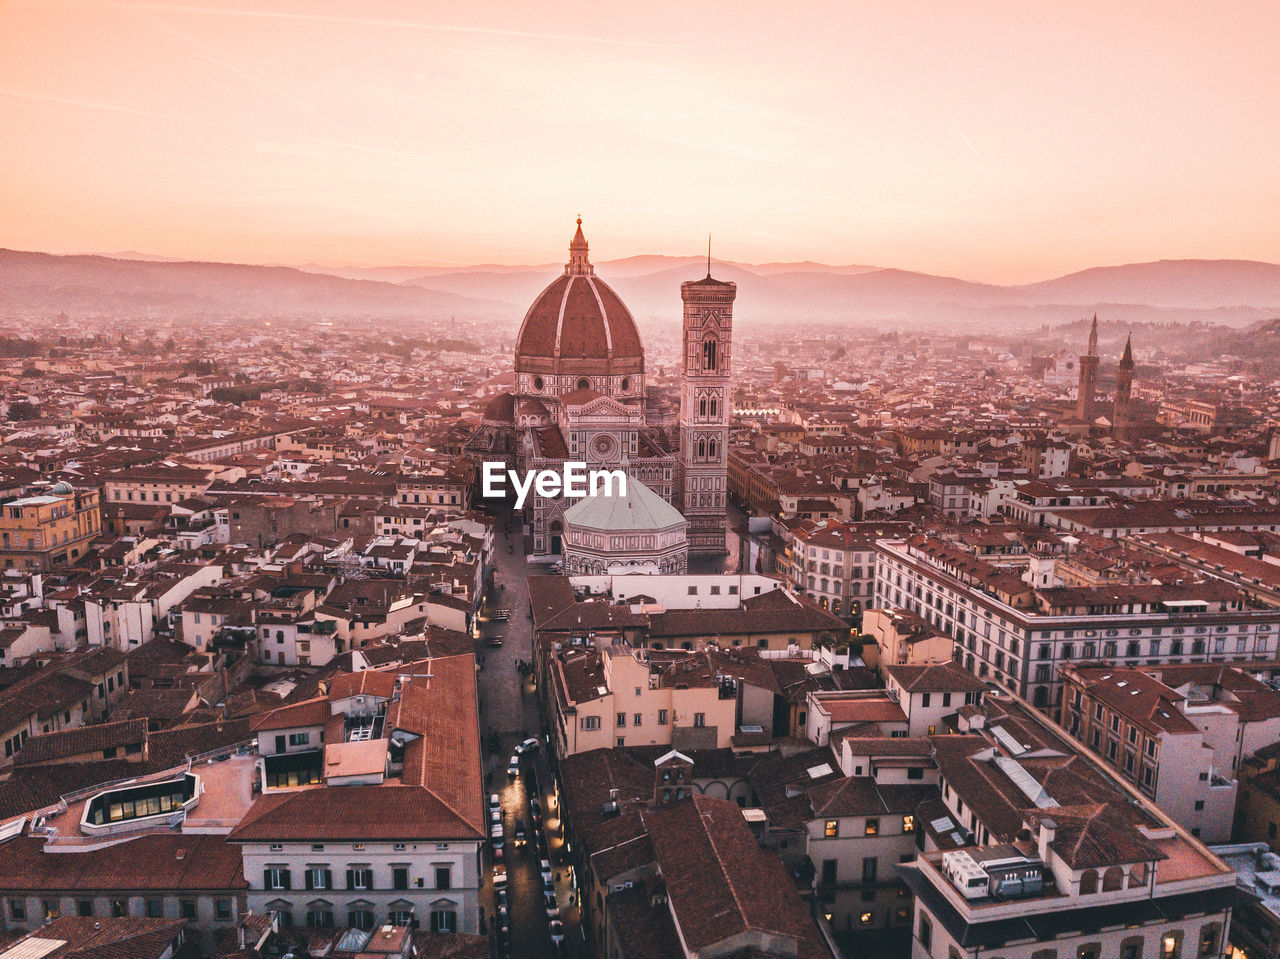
x=708 y=256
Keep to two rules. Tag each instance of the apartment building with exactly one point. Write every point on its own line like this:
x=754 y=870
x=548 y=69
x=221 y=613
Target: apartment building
x=903 y=638
x=48 y=530
x=175 y=876
x=162 y=484
x=1039 y=850
x=617 y=695
x=1016 y=625
x=833 y=562
x=931 y=695
x=364 y=819
x=1177 y=733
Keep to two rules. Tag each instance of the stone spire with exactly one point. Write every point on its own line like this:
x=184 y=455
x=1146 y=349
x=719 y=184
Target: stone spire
x=1126 y=361
x=578 y=264
x=1093 y=331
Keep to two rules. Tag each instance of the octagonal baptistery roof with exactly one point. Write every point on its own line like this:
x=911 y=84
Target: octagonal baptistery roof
x=579 y=325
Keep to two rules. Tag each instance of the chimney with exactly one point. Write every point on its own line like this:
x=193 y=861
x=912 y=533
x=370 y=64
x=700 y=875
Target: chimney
x=1048 y=829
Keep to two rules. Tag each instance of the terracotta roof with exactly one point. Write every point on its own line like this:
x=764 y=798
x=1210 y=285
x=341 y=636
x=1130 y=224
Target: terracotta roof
x=352 y=813
x=311 y=712
x=107 y=937
x=721 y=884
x=162 y=861
x=50 y=747
x=863 y=710
x=936 y=677
x=579 y=316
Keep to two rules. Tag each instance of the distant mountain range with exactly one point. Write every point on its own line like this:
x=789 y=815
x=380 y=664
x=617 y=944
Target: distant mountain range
x=1231 y=292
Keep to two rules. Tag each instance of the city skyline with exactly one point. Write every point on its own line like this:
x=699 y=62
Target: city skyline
x=1006 y=145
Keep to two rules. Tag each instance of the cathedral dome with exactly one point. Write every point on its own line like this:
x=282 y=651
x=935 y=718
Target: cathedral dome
x=579 y=326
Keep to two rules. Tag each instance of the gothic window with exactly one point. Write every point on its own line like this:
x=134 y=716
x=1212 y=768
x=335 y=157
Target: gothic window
x=584 y=383
x=702 y=448
x=713 y=407
x=709 y=354
x=702 y=407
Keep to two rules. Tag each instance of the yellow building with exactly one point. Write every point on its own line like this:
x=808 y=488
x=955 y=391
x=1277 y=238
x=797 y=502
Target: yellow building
x=48 y=530
x=902 y=639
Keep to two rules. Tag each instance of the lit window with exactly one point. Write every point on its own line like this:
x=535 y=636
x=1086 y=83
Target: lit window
x=908 y=823
x=831 y=829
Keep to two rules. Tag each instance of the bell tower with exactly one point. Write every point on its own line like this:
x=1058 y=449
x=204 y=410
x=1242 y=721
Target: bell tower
x=1088 y=376
x=1122 y=415
x=704 y=411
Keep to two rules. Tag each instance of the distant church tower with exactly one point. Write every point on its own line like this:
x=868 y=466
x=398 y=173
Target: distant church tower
x=1122 y=416
x=1088 y=376
x=704 y=411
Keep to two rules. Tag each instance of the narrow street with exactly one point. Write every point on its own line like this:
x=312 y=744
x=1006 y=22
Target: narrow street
x=509 y=708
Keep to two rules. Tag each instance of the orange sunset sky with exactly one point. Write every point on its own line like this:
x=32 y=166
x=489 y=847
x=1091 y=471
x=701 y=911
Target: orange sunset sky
x=996 y=141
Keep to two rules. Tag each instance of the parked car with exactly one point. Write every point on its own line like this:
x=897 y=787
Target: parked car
x=521 y=836
x=546 y=871
x=557 y=931
x=498 y=855
x=535 y=812
x=548 y=886
x=553 y=908
x=500 y=877
x=513 y=767
x=494 y=802
x=529 y=744
x=495 y=832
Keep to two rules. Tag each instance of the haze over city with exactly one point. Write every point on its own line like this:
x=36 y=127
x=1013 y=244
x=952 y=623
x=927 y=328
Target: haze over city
x=645 y=481
x=1010 y=142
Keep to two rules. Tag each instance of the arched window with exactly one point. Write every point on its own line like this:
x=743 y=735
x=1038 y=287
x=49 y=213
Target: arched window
x=1088 y=882
x=711 y=448
x=713 y=407
x=702 y=406
x=1113 y=879
x=702 y=448
x=709 y=354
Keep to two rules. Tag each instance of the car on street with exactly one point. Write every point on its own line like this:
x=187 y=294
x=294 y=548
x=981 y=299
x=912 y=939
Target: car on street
x=553 y=908
x=495 y=802
x=528 y=745
x=495 y=815
x=546 y=870
x=495 y=640
x=548 y=886
x=513 y=767
x=557 y=931
x=498 y=855
x=495 y=833
x=521 y=836
x=500 y=878
x=535 y=812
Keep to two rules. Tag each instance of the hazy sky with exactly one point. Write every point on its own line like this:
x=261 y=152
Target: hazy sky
x=996 y=141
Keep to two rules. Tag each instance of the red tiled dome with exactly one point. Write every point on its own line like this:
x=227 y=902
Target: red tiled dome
x=579 y=323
